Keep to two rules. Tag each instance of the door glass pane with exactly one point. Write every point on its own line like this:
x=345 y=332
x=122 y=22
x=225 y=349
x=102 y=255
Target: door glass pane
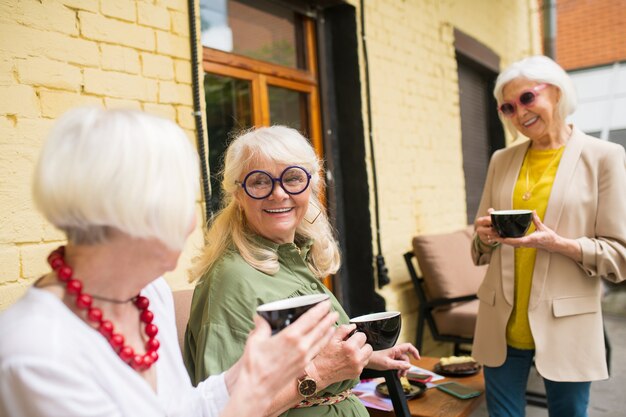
x=259 y=29
x=228 y=109
x=289 y=108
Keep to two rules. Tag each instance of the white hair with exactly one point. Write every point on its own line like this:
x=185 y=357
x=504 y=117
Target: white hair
x=541 y=69
x=121 y=169
x=281 y=145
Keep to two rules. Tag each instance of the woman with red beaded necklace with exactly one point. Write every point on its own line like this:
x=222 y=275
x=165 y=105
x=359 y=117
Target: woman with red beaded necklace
x=96 y=336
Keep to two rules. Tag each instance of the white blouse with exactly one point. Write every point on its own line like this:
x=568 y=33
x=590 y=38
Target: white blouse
x=52 y=363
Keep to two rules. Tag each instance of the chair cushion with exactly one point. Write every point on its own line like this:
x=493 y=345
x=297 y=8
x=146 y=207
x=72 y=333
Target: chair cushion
x=182 y=307
x=446 y=264
x=459 y=320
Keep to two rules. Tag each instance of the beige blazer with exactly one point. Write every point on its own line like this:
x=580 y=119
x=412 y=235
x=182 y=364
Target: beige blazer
x=587 y=203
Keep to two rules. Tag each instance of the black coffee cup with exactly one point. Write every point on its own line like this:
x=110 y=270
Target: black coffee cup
x=381 y=329
x=280 y=314
x=511 y=223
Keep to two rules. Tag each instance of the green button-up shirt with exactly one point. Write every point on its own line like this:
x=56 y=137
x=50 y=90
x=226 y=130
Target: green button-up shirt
x=224 y=304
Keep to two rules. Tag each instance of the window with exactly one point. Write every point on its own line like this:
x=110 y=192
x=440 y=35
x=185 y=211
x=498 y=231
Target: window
x=260 y=68
x=258 y=29
x=481 y=132
x=617 y=136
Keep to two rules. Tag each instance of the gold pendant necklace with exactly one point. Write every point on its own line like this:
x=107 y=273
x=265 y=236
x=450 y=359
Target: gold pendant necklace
x=529 y=190
x=526 y=196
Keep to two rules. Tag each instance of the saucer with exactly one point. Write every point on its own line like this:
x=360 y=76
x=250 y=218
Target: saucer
x=417 y=389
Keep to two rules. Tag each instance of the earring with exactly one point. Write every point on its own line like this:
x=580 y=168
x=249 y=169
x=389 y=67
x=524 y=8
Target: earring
x=312 y=213
x=240 y=214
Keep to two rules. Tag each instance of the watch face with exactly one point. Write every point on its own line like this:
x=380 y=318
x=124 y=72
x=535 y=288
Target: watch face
x=307 y=387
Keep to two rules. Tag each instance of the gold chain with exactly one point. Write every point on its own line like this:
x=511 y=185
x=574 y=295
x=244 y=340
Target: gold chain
x=529 y=190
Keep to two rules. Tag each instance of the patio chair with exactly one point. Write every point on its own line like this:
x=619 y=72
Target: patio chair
x=447 y=288
x=446 y=292
x=182 y=307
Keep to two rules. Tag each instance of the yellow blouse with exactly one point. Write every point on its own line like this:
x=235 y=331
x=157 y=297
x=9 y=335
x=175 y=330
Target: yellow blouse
x=532 y=191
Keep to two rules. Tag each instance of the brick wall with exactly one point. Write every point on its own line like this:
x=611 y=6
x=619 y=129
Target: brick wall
x=590 y=33
x=58 y=54
x=416 y=116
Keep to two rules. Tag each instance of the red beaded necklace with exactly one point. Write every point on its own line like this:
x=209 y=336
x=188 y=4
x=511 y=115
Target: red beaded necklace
x=83 y=301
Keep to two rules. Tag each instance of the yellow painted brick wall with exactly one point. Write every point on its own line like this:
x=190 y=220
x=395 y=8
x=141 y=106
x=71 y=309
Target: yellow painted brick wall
x=59 y=54
x=416 y=116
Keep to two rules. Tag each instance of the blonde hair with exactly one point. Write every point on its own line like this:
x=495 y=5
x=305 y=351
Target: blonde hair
x=102 y=169
x=281 y=145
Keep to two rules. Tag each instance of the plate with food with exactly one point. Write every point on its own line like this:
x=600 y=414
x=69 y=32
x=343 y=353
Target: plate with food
x=411 y=389
x=457 y=366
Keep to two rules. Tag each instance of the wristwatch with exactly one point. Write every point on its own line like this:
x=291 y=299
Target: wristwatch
x=307 y=386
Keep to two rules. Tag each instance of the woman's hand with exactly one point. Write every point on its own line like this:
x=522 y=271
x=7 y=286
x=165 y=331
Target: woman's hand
x=484 y=229
x=397 y=357
x=542 y=238
x=340 y=359
x=269 y=363
x=546 y=239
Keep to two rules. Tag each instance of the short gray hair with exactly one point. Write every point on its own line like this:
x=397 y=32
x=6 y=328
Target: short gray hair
x=117 y=169
x=541 y=69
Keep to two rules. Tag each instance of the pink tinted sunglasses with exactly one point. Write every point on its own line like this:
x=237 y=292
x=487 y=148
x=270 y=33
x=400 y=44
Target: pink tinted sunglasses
x=526 y=98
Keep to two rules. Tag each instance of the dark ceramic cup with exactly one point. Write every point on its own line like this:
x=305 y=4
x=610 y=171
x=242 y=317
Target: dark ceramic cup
x=511 y=223
x=381 y=329
x=280 y=314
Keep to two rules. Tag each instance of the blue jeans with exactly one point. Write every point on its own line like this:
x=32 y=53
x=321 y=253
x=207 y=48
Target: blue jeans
x=505 y=388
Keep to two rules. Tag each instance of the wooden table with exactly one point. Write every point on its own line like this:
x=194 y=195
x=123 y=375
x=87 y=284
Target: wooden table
x=435 y=403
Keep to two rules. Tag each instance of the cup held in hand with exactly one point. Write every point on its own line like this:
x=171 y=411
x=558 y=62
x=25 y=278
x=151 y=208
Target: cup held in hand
x=381 y=329
x=511 y=223
x=280 y=314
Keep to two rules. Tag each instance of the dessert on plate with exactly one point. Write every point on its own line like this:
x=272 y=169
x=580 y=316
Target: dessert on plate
x=458 y=364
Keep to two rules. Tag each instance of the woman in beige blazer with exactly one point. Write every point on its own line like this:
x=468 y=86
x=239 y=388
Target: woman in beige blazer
x=540 y=299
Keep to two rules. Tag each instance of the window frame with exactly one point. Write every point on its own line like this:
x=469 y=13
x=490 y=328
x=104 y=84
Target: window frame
x=261 y=74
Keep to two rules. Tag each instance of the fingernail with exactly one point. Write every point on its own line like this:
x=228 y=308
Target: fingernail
x=350 y=335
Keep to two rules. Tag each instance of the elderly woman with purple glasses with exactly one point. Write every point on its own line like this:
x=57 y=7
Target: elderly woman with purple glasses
x=540 y=299
x=271 y=241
